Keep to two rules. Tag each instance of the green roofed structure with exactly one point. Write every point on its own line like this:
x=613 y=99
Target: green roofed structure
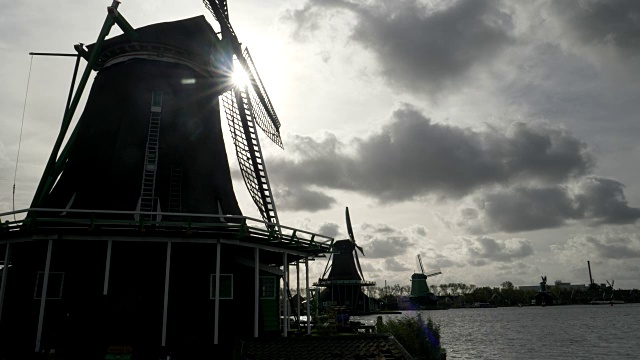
x=420 y=294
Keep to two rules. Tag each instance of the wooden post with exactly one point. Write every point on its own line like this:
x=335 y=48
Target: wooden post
x=43 y=297
x=217 y=300
x=285 y=295
x=298 y=290
x=5 y=272
x=306 y=270
x=256 y=299
x=166 y=295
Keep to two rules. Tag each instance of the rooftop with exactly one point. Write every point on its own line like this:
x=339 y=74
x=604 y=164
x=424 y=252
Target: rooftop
x=360 y=347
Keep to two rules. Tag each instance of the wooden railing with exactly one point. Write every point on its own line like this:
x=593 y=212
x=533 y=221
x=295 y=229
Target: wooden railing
x=38 y=220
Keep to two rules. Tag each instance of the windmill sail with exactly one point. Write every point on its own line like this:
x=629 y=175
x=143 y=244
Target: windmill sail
x=250 y=69
x=266 y=117
x=247 y=147
x=245 y=107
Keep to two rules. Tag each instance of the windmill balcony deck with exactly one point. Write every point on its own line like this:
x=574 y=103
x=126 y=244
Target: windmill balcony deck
x=91 y=224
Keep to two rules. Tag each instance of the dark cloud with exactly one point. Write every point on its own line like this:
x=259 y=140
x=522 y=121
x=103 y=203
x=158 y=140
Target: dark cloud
x=383 y=241
x=432 y=260
x=617 y=247
x=600 y=248
x=329 y=229
x=391 y=264
x=484 y=250
x=602 y=22
x=378 y=228
x=602 y=201
x=302 y=199
x=420 y=230
x=596 y=200
x=376 y=247
x=411 y=157
x=419 y=46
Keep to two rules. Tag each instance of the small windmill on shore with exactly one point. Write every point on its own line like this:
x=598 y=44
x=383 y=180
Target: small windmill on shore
x=420 y=293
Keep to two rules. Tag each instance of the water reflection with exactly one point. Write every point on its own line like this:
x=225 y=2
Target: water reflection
x=554 y=332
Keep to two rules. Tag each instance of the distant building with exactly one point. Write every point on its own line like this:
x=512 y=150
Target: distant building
x=561 y=285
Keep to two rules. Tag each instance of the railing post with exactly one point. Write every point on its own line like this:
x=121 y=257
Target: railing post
x=285 y=295
x=5 y=273
x=166 y=294
x=306 y=270
x=43 y=296
x=217 y=300
x=256 y=299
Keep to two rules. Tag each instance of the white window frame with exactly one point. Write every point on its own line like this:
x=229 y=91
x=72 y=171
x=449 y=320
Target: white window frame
x=275 y=292
x=38 y=277
x=212 y=289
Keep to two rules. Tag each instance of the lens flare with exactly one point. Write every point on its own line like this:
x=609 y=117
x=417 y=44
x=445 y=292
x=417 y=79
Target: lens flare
x=240 y=77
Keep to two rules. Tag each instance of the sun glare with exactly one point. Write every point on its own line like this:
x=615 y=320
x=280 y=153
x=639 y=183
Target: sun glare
x=239 y=77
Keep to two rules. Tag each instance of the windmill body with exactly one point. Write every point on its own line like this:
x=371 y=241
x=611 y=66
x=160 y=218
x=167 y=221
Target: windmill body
x=150 y=135
x=420 y=295
x=135 y=237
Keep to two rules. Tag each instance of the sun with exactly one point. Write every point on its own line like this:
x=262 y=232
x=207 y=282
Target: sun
x=239 y=76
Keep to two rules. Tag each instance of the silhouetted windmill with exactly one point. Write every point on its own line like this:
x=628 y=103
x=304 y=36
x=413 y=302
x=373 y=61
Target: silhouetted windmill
x=176 y=158
x=150 y=140
x=420 y=294
x=343 y=275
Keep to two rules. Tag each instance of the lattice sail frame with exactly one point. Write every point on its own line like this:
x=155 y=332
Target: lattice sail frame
x=256 y=180
x=244 y=107
x=266 y=119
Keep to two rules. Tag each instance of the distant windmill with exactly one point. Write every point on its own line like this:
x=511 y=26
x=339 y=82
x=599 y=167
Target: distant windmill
x=343 y=275
x=419 y=287
x=610 y=287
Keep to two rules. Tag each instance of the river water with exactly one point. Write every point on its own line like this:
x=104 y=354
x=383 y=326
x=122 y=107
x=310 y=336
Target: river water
x=531 y=332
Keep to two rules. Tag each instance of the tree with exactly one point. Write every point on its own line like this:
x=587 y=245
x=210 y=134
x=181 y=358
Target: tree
x=454 y=288
x=434 y=288
x=444 y=288
x=507 y=285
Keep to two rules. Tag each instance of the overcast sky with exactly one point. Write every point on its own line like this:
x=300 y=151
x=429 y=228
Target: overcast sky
x=499 y=139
